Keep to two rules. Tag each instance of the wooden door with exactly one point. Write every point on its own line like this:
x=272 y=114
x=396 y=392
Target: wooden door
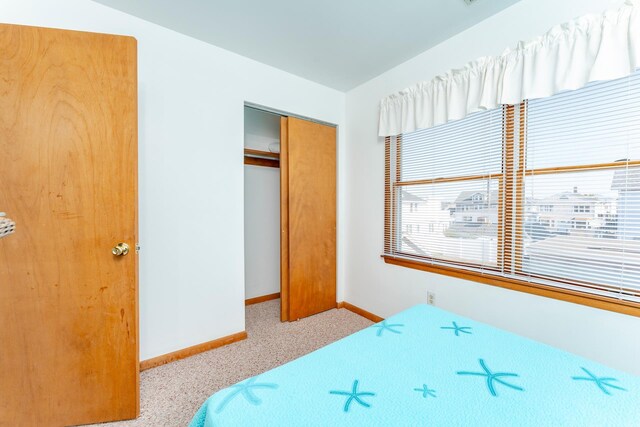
x=68 y=178
x=308 y=210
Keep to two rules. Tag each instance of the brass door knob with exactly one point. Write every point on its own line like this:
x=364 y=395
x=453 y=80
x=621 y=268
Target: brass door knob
x=120 y=249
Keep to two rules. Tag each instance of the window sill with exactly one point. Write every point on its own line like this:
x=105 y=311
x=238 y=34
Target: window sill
x=603 y=303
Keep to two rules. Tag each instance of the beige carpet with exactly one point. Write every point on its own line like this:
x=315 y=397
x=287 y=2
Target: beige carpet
x=172 y=393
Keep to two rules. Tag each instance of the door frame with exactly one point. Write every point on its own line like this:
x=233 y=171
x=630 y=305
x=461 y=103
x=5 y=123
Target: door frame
x=283 y=113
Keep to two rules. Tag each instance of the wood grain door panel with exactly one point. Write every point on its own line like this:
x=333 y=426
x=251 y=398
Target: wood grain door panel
x=68 y=177
x=310 y=156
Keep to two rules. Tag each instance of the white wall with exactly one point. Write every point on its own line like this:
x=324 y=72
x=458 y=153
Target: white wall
x=261 y=208
x=262 y=231
x=191 y=98
x=609 y=338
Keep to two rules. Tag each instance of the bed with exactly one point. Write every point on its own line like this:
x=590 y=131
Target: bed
x=426 y=366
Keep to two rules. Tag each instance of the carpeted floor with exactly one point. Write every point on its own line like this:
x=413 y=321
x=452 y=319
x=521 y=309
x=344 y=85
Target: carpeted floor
x=172 y=393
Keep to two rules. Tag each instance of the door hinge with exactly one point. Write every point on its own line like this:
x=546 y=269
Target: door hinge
x=137 y=248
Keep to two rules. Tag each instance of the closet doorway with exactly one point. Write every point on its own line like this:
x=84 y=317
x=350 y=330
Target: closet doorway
x=290 y=212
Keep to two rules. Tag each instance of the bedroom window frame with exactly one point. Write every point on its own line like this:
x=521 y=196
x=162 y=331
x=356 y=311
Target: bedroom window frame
x=511 y=196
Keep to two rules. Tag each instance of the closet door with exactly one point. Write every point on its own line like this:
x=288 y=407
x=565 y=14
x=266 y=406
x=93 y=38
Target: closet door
x=308 y=210
x=68 y=178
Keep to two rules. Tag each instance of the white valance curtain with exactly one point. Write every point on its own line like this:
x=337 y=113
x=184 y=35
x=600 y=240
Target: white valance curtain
x=590 y=48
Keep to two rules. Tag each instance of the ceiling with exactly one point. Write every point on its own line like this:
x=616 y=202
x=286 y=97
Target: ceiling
x=337 y=43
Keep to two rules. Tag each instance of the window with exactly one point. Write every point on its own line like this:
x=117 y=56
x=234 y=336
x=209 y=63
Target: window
x=455 y=171
x=585 y=145
x=543 y=196
x=581 y=209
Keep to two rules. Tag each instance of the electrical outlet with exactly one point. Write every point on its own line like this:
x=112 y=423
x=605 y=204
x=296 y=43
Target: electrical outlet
x=431 y=298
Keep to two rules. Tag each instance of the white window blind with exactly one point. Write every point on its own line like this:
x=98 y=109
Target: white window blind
x=581 y=223
x=546 y=192
x=446 y=191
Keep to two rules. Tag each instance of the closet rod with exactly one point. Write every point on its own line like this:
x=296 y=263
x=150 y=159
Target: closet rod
x=261 y=158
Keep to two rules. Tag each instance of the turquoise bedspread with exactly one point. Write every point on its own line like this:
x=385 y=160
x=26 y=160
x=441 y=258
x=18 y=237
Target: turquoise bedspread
x=426 y=366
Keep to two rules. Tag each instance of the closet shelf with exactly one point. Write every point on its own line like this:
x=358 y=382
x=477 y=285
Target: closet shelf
x=249 y=152
x=261 y=158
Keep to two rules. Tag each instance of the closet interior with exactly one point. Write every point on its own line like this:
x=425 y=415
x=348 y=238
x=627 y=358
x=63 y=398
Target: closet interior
x=261 y=205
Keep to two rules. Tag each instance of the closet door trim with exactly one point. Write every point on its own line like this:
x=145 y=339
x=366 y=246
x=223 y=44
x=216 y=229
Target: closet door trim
x=284 y=219
x=285 y=114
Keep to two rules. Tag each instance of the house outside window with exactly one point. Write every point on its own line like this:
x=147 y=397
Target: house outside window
x=582 y=209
